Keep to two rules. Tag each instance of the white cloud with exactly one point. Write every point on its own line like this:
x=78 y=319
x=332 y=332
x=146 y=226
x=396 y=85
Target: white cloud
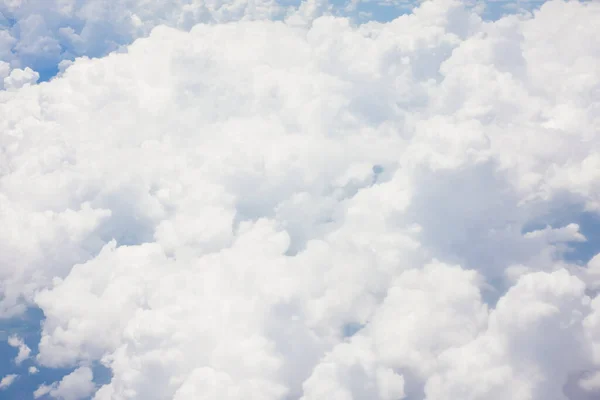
x=425 y=313
x=569 y=233
x=223 y=204
x=516 y=356
x=20 y=77
x=75 y=386
x=33 y=370
x=4 y=71
x=7 y=381
x=41 y=33
x=24 y=350
x=42 y=390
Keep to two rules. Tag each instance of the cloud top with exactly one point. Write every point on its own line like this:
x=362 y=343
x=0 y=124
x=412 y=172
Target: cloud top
x=280 y=210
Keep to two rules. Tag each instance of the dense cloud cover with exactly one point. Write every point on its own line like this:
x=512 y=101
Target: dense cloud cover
x=41 y=33
x=305 y=208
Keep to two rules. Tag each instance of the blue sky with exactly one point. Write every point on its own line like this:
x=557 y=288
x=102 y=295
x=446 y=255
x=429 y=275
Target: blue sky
x=27 y=327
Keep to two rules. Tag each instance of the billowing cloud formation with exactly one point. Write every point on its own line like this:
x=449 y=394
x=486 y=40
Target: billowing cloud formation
x=16 y=78
x=75 y=386
x=41 y=33
x=277 y=210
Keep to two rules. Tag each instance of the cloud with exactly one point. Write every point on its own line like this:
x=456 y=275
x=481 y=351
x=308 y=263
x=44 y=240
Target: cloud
x=293 y=210
x=425 y=313
x=74 y=386
x=19 y=78
x=42 y=390
x=24 y=350
x=7 y=381
x=515 y=356
x=39 y=33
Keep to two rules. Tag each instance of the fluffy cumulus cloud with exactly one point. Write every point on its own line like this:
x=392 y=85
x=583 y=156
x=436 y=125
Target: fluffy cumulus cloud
x=305 y=208
x=41 y=33
x=75 y=386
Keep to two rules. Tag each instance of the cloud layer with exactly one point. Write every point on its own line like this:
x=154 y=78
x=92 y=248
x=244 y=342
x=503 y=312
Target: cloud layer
x=289 y=210
x=41 y=33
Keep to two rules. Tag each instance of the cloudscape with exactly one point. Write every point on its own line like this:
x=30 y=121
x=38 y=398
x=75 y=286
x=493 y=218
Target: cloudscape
x=253 y=199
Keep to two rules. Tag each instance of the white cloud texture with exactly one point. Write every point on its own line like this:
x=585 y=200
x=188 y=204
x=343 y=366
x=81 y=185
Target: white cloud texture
x=75 y=386
x=24 y=350
x=210 y=213
x=7 y=380
x=40 y=33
